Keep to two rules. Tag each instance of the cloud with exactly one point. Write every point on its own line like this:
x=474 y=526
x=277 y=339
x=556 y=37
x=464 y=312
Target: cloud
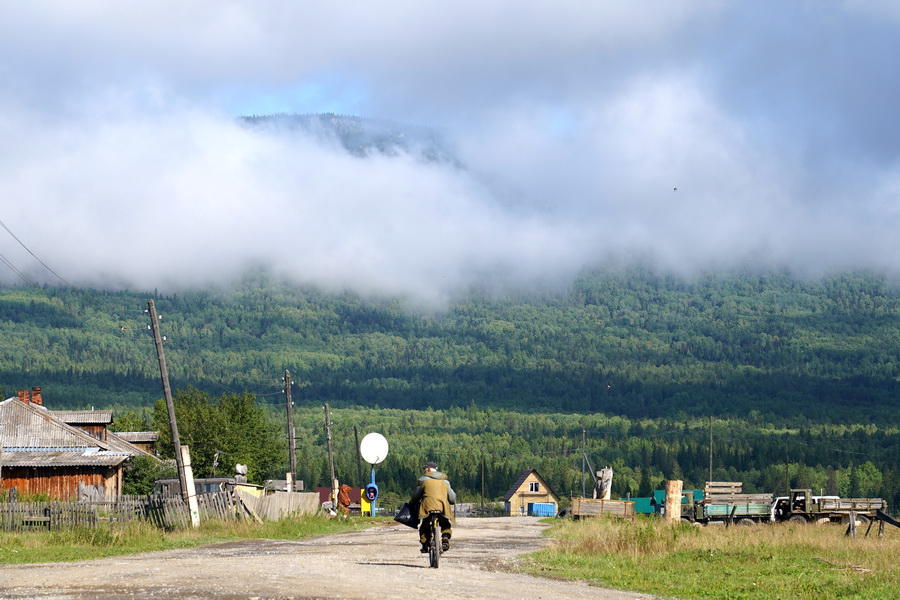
x=572 y=126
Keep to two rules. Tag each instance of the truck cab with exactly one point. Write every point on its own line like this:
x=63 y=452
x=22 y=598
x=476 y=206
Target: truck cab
x=799 y=506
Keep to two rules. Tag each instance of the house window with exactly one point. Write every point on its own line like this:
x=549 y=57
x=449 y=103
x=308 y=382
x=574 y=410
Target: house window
x=534 y=487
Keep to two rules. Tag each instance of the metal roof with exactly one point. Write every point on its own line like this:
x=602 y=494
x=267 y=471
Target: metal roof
x=45 y=457
x=119 y=444
x=84 y=417
x=32 y=426
x=139 y=436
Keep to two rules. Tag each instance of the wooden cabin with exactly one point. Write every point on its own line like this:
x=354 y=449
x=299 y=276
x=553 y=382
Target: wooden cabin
x=530 y=495
x=42 y=454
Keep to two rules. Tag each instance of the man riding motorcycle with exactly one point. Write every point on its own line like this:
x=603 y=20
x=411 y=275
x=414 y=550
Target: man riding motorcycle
x=434 y=493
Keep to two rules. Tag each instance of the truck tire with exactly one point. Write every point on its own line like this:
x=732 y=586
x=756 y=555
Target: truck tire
x=797 y=519
x=746 y=522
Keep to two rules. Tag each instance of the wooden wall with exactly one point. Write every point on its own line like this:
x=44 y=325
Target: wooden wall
x=61 y=483
x=518 y=503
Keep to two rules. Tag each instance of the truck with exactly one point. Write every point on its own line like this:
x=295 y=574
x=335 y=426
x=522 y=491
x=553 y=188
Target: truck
x=801 y=506
x=723 y=502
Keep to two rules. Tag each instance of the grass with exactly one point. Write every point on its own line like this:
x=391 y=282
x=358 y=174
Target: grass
x=783 y=560
x=99 y=542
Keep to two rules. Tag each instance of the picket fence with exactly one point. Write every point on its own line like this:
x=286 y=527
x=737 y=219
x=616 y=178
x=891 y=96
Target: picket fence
x=163 y=512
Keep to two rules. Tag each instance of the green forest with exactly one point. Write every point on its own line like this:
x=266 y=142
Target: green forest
x=797 y=375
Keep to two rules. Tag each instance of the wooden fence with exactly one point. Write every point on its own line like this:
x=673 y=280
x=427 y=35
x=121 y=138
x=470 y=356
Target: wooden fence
x=163 y=512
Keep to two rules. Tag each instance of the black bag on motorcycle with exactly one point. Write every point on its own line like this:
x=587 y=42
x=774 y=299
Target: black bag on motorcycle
x=408 y=515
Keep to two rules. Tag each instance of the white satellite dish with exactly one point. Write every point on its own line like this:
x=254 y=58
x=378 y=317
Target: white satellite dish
x=374 y=448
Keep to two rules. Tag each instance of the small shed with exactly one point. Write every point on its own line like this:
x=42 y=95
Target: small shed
x=530 y=495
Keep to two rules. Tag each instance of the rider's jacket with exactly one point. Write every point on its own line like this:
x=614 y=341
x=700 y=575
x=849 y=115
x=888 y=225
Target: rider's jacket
x=434 y=493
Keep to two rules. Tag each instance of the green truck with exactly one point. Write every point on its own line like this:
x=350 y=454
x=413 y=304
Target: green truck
x=803 y=507
x=741 y=509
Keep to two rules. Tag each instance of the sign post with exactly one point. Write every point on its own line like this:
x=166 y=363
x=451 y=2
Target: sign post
x=374 y=449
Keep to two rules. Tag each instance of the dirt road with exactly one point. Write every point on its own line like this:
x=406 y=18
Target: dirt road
x=382 y=563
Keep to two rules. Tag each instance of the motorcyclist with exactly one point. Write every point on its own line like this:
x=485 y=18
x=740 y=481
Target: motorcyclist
x=434 y=493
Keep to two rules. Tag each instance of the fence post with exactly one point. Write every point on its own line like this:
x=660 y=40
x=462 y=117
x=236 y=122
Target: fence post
x=673 y=500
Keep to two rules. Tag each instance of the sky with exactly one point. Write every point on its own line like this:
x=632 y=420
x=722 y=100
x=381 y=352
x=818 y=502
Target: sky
x=696 y=134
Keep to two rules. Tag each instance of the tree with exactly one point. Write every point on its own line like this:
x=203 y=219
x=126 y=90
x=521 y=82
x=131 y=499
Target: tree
x=232 y=425
x=131 y=420
x=141 y=472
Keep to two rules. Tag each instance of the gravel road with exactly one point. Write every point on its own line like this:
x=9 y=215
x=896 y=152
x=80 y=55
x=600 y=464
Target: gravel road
x=381 y=563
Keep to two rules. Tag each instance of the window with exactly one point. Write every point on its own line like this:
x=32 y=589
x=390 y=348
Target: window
x=534 y=487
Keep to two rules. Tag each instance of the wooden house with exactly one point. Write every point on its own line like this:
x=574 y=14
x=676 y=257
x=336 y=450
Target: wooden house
x=42 y=454
x=95 y=423
x=145 y=440
x=530 y=495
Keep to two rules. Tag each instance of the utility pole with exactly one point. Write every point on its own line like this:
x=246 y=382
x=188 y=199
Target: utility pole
x=330 y=457
x=482 y=481
x=359 y=472
x=167 y=391
x=583 y=459
x=710 y=449
x=292 y=447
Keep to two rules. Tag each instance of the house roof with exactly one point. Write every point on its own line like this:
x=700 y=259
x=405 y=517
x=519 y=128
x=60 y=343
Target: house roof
x=84 y=417
x=62 y=457
x=518 y=484
x=32 y=429
x=120 y=444
x=139 y=436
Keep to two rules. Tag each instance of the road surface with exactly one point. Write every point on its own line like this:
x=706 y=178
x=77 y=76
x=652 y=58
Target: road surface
x=381 y=563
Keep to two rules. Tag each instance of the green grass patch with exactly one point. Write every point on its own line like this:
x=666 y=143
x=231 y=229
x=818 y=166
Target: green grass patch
x=100 y=542
x=747 y=563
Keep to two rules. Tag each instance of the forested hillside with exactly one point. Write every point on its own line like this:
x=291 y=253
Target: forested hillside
x=633 y=343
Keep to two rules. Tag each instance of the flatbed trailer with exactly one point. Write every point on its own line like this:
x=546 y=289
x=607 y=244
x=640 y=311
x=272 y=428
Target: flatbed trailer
x=595 y=507
x=724 y=502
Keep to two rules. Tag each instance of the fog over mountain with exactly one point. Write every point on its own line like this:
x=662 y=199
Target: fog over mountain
x=509 y=143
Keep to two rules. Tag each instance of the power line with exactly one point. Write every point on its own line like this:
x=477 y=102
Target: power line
x=13 y=268
x=43 y=264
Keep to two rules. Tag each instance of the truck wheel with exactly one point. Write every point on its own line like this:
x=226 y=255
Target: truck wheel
x=797 y=519
x=746 y=522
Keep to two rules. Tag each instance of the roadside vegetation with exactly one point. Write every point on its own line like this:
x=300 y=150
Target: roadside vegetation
x=686 y=561
x=91 y=543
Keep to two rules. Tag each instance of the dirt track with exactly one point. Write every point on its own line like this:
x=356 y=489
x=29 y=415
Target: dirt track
x=377 y=564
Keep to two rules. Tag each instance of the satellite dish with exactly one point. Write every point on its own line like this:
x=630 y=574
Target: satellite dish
x=374 y=448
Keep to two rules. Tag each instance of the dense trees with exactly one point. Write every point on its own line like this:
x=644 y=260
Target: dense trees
x=633 y=342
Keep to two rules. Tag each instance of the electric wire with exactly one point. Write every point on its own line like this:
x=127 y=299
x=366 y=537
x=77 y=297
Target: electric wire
x=13 y=268
x=43 y=264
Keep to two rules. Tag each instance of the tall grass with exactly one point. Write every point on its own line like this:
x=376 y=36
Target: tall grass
x=97 y=542
x=684 y=561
